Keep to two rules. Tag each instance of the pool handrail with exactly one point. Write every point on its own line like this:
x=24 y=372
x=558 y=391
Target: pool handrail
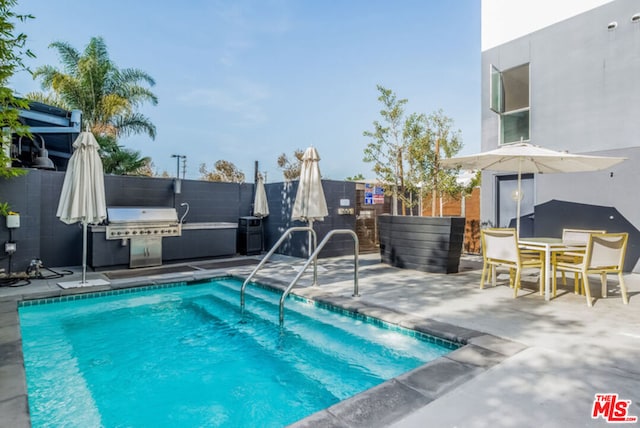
x=314 y=256
x=273 y=250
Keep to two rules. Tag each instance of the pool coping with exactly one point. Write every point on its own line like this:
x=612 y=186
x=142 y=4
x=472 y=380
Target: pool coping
x=379 y=406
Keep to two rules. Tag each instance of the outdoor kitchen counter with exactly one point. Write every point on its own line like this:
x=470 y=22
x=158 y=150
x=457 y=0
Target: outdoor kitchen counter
x=209 y=225
x=198 y=240
x=186 y=226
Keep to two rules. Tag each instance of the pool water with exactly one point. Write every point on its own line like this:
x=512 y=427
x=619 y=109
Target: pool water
x=187 y=356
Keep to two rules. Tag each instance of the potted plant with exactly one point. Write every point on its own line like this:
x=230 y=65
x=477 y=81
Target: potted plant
x=406 y=153
x=12 y=217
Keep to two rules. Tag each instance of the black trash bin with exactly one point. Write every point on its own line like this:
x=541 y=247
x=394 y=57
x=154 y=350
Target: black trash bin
x=249 y=235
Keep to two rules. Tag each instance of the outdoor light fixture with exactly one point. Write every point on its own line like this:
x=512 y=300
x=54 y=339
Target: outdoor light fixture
x=42 y=161
x=612 y=26
x=636 y=17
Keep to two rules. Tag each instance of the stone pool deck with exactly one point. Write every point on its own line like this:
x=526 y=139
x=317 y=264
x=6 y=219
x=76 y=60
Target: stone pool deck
x=526 y=363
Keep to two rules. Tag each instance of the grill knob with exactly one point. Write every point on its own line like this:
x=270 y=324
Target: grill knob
x=155 y=231
x=119 y=233
x=126 y=232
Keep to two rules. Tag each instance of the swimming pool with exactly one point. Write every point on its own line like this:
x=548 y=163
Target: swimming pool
x=185 y=355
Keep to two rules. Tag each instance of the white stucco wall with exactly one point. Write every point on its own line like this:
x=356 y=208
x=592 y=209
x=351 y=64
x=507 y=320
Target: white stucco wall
x=506 y=20
x=585 y=87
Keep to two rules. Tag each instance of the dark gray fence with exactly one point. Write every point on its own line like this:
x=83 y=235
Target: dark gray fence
x=281 y=197
x=42 y=235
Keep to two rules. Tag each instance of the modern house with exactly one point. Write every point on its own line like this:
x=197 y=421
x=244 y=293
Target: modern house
x=565 y=76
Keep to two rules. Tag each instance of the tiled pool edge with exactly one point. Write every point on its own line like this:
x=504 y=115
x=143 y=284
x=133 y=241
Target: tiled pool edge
x=380 y=406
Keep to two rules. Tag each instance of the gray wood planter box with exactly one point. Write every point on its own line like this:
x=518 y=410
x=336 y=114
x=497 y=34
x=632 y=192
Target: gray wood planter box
x=428 y=244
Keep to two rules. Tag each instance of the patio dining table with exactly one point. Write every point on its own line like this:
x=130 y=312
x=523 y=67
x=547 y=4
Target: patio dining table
x=548 y=246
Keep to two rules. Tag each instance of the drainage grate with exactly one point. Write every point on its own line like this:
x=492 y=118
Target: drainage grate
x=136 y=273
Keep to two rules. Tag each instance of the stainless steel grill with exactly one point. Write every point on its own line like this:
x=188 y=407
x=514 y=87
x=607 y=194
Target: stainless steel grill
x=133 y=222
x=144 y=229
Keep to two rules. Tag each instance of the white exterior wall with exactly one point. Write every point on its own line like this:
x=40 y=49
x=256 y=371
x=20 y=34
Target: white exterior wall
x=585 y=98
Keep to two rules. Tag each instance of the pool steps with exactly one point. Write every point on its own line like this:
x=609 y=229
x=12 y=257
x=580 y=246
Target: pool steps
x=247 y=332
x=260 y=314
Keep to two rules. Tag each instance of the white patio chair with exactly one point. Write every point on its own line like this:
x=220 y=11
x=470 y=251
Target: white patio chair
x=571 y=237
x=500 y=248
x=604 y=254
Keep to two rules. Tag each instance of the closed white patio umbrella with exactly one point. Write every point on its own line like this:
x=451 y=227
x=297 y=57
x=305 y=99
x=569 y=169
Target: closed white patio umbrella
x=528 y=158
x=260 y=203
x=82 y=199
x=310 y=204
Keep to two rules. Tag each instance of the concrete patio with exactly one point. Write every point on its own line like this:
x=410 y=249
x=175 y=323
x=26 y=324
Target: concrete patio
x=527 y=362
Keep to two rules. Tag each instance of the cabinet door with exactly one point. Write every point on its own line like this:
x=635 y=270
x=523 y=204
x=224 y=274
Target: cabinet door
x=145 y=252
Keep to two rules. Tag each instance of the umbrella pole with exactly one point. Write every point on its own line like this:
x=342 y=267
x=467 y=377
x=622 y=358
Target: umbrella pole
x=311 y=251
x=84 y=252
x=519 y=198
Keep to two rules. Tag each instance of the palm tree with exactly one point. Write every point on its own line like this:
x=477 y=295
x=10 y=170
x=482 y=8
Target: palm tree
x=107 y=95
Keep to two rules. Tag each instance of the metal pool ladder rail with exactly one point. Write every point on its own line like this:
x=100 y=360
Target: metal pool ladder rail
x=314 y=256
x=273 y=249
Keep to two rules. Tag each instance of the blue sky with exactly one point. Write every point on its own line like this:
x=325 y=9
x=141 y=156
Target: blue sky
x=247 y=80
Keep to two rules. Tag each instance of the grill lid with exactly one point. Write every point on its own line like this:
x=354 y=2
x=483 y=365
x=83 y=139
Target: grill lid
x=141 y=215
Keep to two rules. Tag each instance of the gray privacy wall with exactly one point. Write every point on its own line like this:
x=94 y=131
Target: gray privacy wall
x=584 y=98
x=42 y=235
x=281 y=197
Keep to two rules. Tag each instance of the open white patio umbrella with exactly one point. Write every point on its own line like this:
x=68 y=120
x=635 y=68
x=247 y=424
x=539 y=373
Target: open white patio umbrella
x=82 y=198
x=528 y=158
x=260 y=204
x=310 y=204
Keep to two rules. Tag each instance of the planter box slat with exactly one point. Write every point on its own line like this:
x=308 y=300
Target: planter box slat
x=427 y=228
x=419 y=237
x=417 y=253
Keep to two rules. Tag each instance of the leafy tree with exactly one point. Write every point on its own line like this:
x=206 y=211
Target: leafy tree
x=150 y=170
x=357 y=177
x=108 y=96
x=430 y=137
x=406 y=152
x=388 y=147
x=473 y=183
x=12 y=52
x=291 y=168
x=225 y=171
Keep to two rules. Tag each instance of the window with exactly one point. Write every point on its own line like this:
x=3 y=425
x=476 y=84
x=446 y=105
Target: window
x=510 y=99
